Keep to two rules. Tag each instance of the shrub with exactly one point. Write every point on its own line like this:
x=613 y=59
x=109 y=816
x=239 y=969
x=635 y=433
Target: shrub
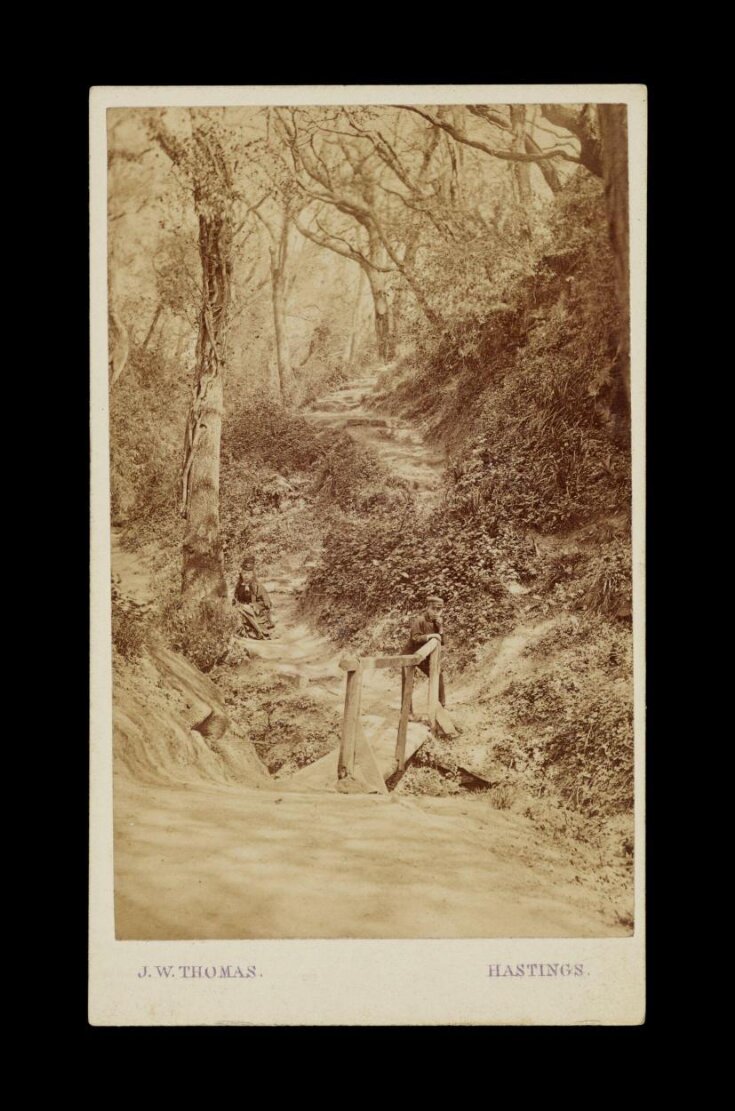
x=129 y=627
x=403 y=557
x=570 y=725
x=351 y=477
x=427 y=781
x=608 y=585
x=202 y=633
x=147 y=413
x=265 y=434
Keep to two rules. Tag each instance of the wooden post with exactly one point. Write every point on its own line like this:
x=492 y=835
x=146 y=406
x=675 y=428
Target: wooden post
x=408 y=673
x=350 y=720
x=435 y=662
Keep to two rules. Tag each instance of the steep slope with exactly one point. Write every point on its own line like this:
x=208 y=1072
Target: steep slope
x=171 y=726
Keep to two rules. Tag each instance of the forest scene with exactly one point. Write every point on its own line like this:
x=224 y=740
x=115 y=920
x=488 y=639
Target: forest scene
x=370 y=491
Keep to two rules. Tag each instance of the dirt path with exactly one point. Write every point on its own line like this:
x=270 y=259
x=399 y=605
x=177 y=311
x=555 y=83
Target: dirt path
x=311 y=659
x=398 y=444
x=296 y=649
x=234 y=863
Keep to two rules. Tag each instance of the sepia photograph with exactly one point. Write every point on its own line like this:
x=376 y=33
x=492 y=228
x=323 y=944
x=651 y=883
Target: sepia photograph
x=369 y=440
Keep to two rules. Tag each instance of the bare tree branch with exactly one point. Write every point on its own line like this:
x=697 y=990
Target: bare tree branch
x=548 y=169
x=347 y=251
x=322 y=242
x=333 y=235
x=581 y=124
x=415 y=286
x=490 y=116
x=252 y=209
x=414 y=206
x=494 y=152
x=387 y=154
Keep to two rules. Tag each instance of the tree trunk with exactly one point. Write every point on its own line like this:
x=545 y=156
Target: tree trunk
x=203 y=577
x=286 y=379
x=180 y=337
x=355 y=326
x=584 y=126
x=378 y=287
x=614 y=157
x=398 y=307
x=521 y=170
x=602 y=131
x=546 y=166
x=406 y=267
x=383 y=322
x=279 y=253
x=450 y=184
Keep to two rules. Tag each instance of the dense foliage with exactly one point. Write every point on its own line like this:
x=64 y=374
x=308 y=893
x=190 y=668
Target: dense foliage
x=520 y=400
x=570 y=727
x=535 y=519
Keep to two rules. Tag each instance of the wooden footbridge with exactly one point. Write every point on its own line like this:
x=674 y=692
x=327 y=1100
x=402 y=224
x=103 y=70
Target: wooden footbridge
x=373 y=765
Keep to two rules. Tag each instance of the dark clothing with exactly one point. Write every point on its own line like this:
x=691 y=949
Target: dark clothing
x=420 y=627
x=424 y=666
x=255 y=602
x=250 y=592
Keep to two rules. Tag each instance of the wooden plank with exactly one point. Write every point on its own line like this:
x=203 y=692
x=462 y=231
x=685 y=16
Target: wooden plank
x=350 y=721
x=370 y=663
x=427 y=649
x=384 y=746
x=403 y=721
x=405 y=661
x=322 y=774
x=367 y=772
x=396 y=661
x=417 y=734
x=434 y=668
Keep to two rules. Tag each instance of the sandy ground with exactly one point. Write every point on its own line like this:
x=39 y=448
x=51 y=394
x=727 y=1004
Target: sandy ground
x=198 y=862
x=202 y=859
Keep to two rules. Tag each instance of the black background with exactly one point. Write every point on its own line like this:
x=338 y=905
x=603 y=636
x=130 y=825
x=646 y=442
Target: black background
x=466 y=1056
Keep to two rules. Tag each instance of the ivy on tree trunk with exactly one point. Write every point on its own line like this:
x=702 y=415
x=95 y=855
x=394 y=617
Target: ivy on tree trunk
x=203 y=566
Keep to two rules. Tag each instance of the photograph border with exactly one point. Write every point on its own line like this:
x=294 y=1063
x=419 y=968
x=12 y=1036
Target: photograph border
x=417 y=982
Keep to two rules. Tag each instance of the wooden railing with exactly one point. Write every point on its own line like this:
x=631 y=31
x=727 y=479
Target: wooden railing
x=356 y=667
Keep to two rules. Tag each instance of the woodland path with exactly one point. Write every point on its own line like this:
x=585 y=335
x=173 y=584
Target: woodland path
x=399 y=445
x=297 y=649
x=290 y=860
